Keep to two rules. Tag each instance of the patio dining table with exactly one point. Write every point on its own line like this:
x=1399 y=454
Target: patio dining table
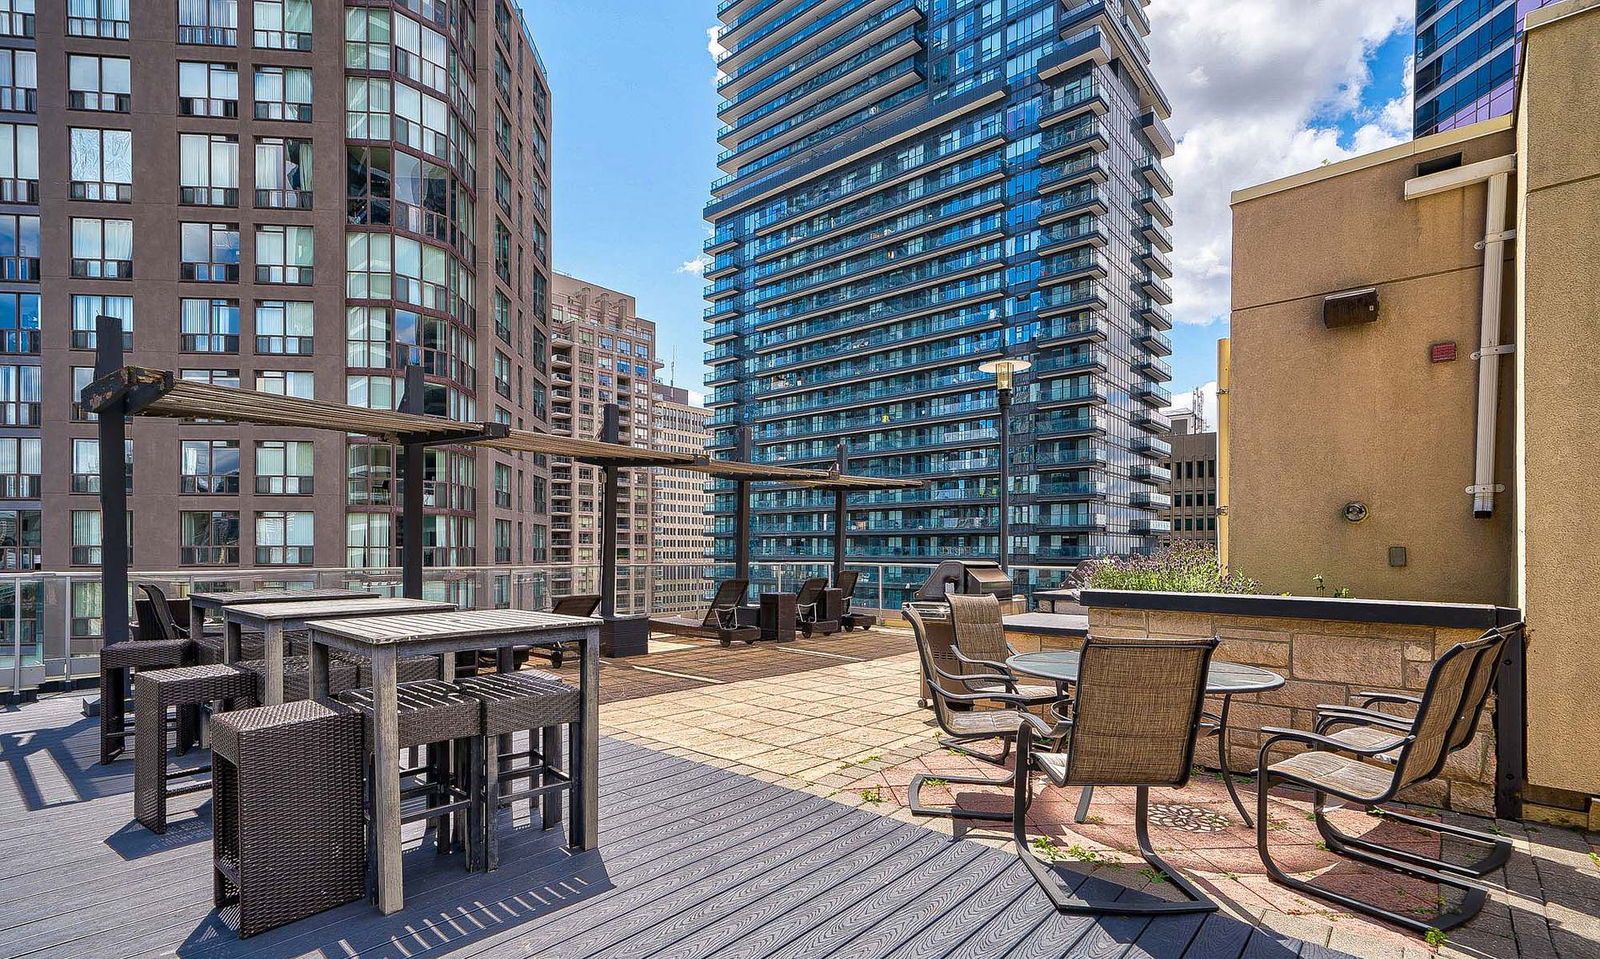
x=202 y=604
x=276 y=618
x=1224 y=680
x=384 y=639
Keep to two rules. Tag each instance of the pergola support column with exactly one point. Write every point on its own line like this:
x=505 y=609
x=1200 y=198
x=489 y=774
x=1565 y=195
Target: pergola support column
x=113 y=433
x=741 y=512
x=619 y=635
x=839 y=520
x=414 y=464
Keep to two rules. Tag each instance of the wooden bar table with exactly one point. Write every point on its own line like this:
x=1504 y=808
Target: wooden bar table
x=384 y=639
x=202 y=603
x=275 y=619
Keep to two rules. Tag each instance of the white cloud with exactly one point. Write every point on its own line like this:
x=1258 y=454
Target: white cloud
x=694 y=267
x=1257 y=87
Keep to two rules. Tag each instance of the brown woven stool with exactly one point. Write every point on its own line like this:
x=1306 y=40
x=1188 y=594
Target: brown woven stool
x=155 y=691
x=117 y=662
x=512 y=702
x=281 y=850
x=437 y=715
x=297 y=677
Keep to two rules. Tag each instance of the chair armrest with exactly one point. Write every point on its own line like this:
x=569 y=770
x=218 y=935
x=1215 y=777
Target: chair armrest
x=1365 y=717
x=997 y=667
x=727 y=616
x=1364 y=700
x=974 y=677
x=1276 y=734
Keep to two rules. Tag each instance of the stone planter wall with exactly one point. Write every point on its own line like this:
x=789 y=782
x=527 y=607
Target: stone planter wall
x=1324 y=660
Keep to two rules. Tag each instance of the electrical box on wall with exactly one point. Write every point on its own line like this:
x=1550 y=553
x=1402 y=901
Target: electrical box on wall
x=1351 y=308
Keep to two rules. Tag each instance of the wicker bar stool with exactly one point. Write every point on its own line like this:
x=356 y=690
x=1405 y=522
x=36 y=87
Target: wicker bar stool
x=280 y=850
x=118 y=662
x=297 y=677
x=512 y=702
x=155 y=692
x=439 y=716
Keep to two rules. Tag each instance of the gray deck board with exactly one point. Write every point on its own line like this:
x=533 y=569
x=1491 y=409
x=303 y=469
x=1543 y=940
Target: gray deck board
x=695 y=863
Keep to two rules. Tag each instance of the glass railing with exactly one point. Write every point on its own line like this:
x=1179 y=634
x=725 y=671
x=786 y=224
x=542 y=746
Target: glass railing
x=989 y=253
x=1153 y=335
x=1064 y=100
x=1069 y=361
x=1086 y=488
x=789 y=43
x=877 y=365
x=894 y=386
x=1075 y=422
x=1071 y=457
x=1070 y=200
x=832 y=102
x=878 y=416
x=1079 y=294
x=818 y=81
x=1063 y=327
x=815 y=54
x=881 y=311
x=1152 y=365
x=1064 y=266
x=833 y=129
x=1067 y=138
x=947 y=322
x=1068 y=391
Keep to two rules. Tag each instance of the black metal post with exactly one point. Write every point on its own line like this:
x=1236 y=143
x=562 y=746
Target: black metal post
x=1005 y=478
x=413 y=463
x=1510 y=720
x=113 y=433
x=610 y=432
x=741 y=513
x=839 y=519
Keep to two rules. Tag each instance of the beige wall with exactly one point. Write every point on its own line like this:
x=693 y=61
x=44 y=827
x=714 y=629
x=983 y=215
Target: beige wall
x=1321 y=417
x=1559 y=373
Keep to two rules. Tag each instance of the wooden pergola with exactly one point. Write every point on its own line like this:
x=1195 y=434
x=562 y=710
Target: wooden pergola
x=120 y=391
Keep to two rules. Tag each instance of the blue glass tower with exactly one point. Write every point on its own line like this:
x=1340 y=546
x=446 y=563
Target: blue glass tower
x=914 y=187
x=1466 y=63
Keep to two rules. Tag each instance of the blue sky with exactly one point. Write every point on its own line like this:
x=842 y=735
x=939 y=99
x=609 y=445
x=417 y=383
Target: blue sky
x=634 y=150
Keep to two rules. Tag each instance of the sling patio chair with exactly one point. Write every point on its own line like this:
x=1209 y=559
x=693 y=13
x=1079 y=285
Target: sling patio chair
x=843 y=597
x=1132 y=722
x=809 y=608
x=981 y=647
x=582 y=604
x=721 y=619
x=1415 y=751
x=961 y=723
x=1362 y=726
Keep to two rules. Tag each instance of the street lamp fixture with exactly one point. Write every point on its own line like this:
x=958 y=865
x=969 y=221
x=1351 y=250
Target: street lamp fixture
x=1004 y=371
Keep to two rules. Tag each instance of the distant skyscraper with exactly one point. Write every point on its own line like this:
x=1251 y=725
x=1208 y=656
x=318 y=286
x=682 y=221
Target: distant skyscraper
x=914 y=187
x=1466 y=60
x=680 y=542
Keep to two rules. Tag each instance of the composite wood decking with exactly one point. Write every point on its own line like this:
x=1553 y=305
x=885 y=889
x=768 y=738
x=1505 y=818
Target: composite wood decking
x=694 y=862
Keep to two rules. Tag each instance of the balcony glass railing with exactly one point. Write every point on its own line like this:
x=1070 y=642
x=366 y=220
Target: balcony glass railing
x=815 y=54
x=788 y=43
x=1084 y=488
x=1069 y=361
x=823 y=107
x=1067 y=138
x=941 y=408
x=878 y=364
x=819 y=81
x=839 y=296
x=1068 y=99
x=1070 y=201
x=832 y=130
x=893 y=386
x=1066 y=327
x=951 y=321
x=882 y=310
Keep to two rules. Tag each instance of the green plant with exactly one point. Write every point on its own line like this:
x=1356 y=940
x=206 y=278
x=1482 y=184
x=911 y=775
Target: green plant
x=1594 y=857
x=1322 y=845
x=1230 y=875
x=1179 y=568
x=1152 y=874
x=1435 y=938
x=934 y=781
x=1046 y=847
x=873 y=795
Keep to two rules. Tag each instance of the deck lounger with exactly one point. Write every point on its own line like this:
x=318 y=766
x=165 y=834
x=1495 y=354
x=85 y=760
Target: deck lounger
x=721 y=619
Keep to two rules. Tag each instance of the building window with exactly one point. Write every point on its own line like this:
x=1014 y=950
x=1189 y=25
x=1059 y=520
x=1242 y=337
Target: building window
x=19 y=163
x=19 y=248
x=210 y=253
x=20 y=537
x=209 y=538
x=19 y=322
x=502 y=541
x=367 y=337
x=283 y=328
x=297 y=383
x=19 y=81
x=283 y=93
x=502 y=188
x=82 y=376
x=102 y=249
x=209 y=326
x=86 y=465
x=502 y=75
x=106 y=19
x=229 y=378
x=502 y=486
x=367 y=39
x=99 y=83
x=284 y=538
x=86 y=309
x=502 y=374
x=368 y=538
x=102 y=165
x=209 y=467
x=284 y=254
x=283 y=467
x=283 y=173
x=283 y=24
x=502 y=317
x=371 y=392
x=502 y=132
x=208 y=90
x=502 y=251
x=16 y=18
x=19 y=395
x=20 y=467
x=208 y=169
x=86 y=537
x=211 y=22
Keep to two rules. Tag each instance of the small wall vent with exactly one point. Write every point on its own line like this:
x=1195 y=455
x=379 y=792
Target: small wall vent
x=1350 y=308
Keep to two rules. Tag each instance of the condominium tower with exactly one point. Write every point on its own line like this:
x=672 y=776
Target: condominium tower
x=283 y=195
x=911 y=188
x=681 y=544
x=603 y=352
x=1466 y=60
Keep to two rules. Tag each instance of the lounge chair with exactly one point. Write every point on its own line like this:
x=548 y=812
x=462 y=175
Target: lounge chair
x=954 y=695
x=840 y=600
x=1362 y=726
x=582 y=604
x=809 y=608
x=1374 y=765
x=1132 y=722
x=721 y=619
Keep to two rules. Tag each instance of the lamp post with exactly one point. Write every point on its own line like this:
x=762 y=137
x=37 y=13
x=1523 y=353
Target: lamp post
x=1005 y=371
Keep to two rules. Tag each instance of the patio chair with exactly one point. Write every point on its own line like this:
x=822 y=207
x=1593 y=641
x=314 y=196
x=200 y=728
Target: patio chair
x=1363 y=727
x=1415 y=754
x=721 y=619
x=963 y=724
x=981 y=647
x=844 y=596
x=166 y=647
x=808 y=608
x=582 y=604
x=1132 y=722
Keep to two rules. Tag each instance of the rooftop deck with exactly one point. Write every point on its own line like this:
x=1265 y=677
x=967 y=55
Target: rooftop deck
x=751 y=806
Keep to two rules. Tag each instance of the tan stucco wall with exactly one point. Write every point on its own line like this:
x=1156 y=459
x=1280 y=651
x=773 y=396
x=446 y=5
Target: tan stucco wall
x=1559 y=360
x=1321 y=417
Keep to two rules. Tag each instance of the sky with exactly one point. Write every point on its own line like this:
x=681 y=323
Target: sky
x=1259 y=89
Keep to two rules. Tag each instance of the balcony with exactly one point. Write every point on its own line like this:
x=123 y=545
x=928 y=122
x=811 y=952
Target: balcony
x=1152 y=394
x=1072 y=522
x=1156 y=132
x=1157 y=207
x=1154 y=315
x=1067 y=236
x=1152 y=447
x=1150 y=527
x=1072 y=489
x=1065 y=424
x=1065 y=269
x=1069 y=458
x=1156 y=175
x=1064 y=141
x=1068 y=329
x=1066 y=299
x=817 y=87
x=1154 y=367
x=1082 y=201
x=1072 y=392
x=1150 y=499
x=1156 y=289
x=1076 y=361
x=1152 y=421
x=1065 y=105
x=1155 y=234
x=1156 y=262
x=1155 y=341
x=1150 y=473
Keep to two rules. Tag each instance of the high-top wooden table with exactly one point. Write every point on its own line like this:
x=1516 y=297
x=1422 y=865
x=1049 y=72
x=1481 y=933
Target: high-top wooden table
x=212 y=602
x=276 y=618
x=384 y=639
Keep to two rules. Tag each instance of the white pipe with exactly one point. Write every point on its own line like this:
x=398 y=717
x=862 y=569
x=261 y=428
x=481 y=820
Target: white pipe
x=1489 y=349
